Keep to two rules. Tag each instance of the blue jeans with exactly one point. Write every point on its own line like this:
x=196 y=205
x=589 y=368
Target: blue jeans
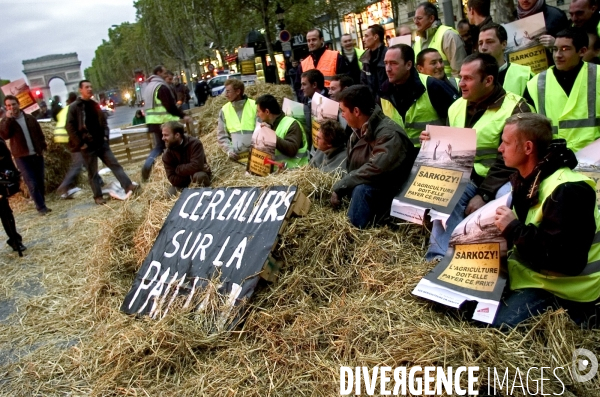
x=90 y=159
x=369 y=205
x=32 y=169
x=440 y=237
x=159 y=148
x=519 y=305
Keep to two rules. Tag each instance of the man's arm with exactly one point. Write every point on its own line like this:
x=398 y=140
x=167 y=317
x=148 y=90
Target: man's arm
x=197 y=160
x=389 y=151
x=292 y=142
x=454 y=49
x=563 y=239
x=169 y=102
x=223 y=137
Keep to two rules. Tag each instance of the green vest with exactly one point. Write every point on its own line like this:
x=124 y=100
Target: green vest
x=60 y=132
x=240 y=131
x=436 y=43
x=574 y=118
x=359 y=53
x=516 y=78
x=488 y=129
x=301 y=157
x=417 y=116
x=584 y=287
x=158 y=114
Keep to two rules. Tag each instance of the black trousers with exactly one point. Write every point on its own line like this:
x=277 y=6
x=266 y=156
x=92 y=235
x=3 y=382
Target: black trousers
x=8 y=221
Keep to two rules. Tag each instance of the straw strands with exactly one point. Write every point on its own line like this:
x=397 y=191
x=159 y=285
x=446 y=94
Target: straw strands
x=343 y=299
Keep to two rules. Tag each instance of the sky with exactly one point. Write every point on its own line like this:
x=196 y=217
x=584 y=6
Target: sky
x=35 y=28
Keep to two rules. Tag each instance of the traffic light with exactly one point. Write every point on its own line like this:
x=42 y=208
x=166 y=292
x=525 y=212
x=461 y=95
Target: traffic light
x=139 y=76
x=39 y=94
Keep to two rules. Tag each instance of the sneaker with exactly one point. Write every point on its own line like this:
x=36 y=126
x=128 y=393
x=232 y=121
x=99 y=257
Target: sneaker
x=44 y=211
x=99 y=201
x=70 y=193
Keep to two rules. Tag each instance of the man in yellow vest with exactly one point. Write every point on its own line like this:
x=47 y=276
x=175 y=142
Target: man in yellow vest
x=429 y=62
x=584 y=14
x=513 y=77
x=237 y=120
x=553 y=229
x=351 y=56
x=326 y=61
x=567 y=93
x=68 y=186
x=379 y=159
x=291 y=147
x=161 y=106
x=432 y=34
x=484 y=106
x=411 y=99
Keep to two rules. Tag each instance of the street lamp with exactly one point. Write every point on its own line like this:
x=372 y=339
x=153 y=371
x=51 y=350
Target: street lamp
x=279 y=14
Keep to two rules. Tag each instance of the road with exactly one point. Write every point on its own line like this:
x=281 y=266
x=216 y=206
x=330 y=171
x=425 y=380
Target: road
x=123 y=115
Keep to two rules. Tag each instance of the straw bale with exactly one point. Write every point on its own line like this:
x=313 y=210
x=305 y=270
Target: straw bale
x=343 y=298
x=57 y=158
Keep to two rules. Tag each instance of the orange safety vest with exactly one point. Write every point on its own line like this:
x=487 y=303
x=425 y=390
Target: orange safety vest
x=327 y=64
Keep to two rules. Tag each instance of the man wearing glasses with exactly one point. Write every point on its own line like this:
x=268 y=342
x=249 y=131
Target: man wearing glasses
x=432 y=34
x=568 y=93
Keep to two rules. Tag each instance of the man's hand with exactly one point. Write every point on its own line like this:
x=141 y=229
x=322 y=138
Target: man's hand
x=424 y=136
x=335 y=200
x=233 y=156
x=546 y=40
x=84 y=146
x=474 y=204
x=504 y=216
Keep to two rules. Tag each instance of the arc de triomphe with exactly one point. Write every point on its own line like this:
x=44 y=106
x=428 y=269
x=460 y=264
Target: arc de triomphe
x=41 y=71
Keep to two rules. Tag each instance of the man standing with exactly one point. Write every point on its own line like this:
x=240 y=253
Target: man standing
x=552 y=230
x=351 y=58
x=432 y=34
x=429 y=62
x=27 y=145
x=291 y=147
x=484 y=106
x=568 y=93
x=184 y=160
x=512 y=76
x=161 y=106
x=237 y=120
x=373 y=74
x=10 y=175
x=478 y=14
x=328 y=62
x=411 y=99
x=182 y=93
x=201 y=91
x=584 y=14
x=88 y=134
x=379 y=158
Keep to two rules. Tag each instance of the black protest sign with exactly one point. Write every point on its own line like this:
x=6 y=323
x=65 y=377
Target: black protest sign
x=226 y=233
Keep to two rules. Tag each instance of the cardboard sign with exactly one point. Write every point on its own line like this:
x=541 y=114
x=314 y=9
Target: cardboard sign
x=439 y=175
x=595 y=176
x=589 y=164
x=472 y=269
x=406 y=39
x=322 y=109
x=534 y=57
x=223 y=234
x=243 y=157
x=246 y=58
x=20 y=89
x=256 y=163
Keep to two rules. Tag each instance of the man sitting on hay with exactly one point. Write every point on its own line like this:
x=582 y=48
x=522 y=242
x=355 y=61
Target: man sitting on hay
x=379 y=158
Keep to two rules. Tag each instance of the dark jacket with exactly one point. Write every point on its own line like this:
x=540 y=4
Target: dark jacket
x=373 y=74
x=381 y=158
x=201 y=91
x=78 y=131
x=352 y=67
x=11 y=182
x=10 y=129
x=561 y=242
x=182 y=92
x=183 y=161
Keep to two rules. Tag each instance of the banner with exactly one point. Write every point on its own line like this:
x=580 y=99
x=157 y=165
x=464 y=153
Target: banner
x=20 y=89
x=472 y=269
x=439 y=175
x=523 y=46
x=322 y=109
x=223 y=234
x=589 y=164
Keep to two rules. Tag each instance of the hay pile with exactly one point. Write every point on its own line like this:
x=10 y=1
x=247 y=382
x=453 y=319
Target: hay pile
x=57 y=158
x=343 y=299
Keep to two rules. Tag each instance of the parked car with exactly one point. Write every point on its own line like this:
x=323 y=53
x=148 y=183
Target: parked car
x=217 y=83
